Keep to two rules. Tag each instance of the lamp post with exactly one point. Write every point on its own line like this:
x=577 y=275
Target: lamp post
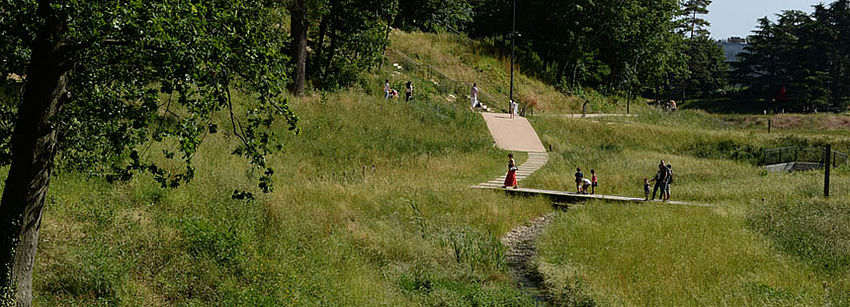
x=513 y=43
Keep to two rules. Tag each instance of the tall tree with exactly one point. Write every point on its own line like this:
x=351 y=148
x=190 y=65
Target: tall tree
x=690 y=23
x=93 y=73
x=298 y=53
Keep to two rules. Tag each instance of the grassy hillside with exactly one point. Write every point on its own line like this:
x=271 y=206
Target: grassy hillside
x=409 y=232
x=788 y=249
x=468 y=61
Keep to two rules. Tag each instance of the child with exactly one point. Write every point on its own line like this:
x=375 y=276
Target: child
x=585 y=183
x=593 y=181
x=579 y=177
x=645 y=189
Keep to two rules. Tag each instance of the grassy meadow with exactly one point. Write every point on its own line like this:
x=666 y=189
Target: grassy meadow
x=408 y=233
x=771 y=239
x=372 y=207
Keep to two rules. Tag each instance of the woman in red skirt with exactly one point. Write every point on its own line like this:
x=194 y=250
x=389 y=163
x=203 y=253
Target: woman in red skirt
x=510 y=180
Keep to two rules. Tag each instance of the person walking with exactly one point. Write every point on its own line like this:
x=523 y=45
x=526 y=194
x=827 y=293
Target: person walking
x=512 y=108
x=387 y=90
x=510 y=179
x=645 y=189
x=579 y=176
x=473 y=97
x=594 y=181
x=660 y=182
x=408 y=91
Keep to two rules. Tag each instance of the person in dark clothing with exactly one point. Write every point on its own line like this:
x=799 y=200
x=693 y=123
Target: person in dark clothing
x=408 y=90
x=660 y=181
x=579 y=176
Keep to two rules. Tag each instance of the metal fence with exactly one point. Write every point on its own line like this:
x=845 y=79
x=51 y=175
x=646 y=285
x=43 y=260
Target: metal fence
x=800 y=154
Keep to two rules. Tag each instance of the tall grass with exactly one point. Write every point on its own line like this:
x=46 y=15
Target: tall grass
x=336 y=231
x=772 y=240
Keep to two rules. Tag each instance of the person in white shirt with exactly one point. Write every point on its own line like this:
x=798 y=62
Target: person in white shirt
x=473 y=97
x=387 y=89
x=513 y=108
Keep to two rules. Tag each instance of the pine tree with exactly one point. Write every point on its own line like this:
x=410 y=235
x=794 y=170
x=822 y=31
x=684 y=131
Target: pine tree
x=691 y=24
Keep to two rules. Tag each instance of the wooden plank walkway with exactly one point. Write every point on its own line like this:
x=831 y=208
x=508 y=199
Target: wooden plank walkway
x=575 y=197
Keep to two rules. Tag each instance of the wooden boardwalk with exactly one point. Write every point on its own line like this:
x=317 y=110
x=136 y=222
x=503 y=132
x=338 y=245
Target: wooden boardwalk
x=571 y=197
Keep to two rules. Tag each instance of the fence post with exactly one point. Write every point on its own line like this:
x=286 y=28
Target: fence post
x=827 y=167
x=769 y=124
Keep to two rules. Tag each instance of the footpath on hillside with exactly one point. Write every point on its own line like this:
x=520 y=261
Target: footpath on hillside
x=517 y=134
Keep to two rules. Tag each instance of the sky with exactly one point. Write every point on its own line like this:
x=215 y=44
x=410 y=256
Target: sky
x=738 y=17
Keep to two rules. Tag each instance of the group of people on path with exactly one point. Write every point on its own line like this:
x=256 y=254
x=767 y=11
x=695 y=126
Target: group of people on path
x=583 y=183
x=663 y=179
x=390 y=92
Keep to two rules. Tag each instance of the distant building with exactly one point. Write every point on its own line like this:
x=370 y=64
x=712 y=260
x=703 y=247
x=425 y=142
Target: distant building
x=733 y=47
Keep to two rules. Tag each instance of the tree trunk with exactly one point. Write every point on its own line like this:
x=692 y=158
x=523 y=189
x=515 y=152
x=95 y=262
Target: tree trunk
x=298 y=27
x=320 y=45
x=334 y=24
x=33 y=147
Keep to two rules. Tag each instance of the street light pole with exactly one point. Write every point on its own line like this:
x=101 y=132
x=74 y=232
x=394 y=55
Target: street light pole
x=513 y=43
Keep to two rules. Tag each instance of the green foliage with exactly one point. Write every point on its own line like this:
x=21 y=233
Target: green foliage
x=707 y=68
x=351 y=38
x=616 y=45
x=123 y=57
x=433 y=15
x=689 y=23
x=800 y=62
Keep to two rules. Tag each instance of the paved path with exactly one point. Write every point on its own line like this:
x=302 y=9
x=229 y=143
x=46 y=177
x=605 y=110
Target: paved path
x=588 y=115
x=514 y=134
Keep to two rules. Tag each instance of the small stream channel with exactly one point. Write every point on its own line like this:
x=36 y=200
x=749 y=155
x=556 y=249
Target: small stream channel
x=520 y=257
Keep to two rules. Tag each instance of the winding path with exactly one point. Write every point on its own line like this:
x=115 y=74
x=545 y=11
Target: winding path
x=515 y=134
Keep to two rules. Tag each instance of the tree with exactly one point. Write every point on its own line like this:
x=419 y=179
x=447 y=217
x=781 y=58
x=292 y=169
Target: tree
x=689 y=23
x=351 y=38
x=782 y=66
x=707 y=67
x=433 y=15
x=93 y=73
x=617 y=45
